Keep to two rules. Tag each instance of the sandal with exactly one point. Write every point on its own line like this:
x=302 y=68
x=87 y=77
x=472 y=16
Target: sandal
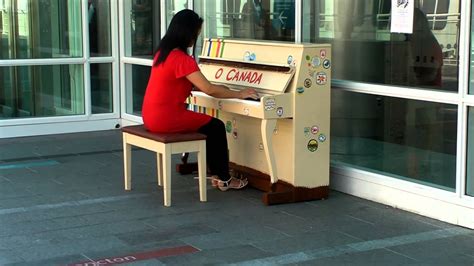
x=225 y=185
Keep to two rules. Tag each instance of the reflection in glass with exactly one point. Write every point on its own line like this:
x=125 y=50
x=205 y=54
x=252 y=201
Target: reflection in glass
x=101 y=88
x=39 y=91
x=172 y=7
x=470 y=153
x=99 y=27
x=40 y=29
x=364 y=49
x=142 y=27
x=249 y=19
x=136 y=80
x=405 y=139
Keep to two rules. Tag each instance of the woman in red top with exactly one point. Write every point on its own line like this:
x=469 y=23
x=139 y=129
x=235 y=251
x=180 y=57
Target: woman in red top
x=173 y=75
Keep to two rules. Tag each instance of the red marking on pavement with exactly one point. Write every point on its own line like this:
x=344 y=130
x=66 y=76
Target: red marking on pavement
x=167 y=252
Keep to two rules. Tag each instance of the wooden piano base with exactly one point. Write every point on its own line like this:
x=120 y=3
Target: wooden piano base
x=278 y=193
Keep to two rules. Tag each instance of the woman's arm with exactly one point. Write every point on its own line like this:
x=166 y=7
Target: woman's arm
x=218 y=91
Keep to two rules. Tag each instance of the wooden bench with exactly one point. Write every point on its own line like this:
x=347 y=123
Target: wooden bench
x=164 y=144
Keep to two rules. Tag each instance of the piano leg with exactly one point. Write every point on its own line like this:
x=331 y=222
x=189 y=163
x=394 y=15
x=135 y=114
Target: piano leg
x=268 y=125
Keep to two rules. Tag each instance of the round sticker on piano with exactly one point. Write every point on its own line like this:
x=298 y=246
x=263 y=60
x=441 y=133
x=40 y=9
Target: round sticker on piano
x=306 y=131
x=228 y=126
x=322 y=53
x=270 y=104
x=300 y=89
x=252 y=57
x=279 y=111
x=289 y=60
x=246 y=111
x=326 y=63
x=247 y=56
x=321 y=78
x=308 y=83
x=312 y=145
x=315 y=62
x=314 y=130
x=322 y=138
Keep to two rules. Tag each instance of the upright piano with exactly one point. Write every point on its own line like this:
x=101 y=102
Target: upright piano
x=280 y=142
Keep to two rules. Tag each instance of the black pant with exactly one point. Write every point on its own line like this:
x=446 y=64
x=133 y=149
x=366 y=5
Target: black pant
x=216 y=148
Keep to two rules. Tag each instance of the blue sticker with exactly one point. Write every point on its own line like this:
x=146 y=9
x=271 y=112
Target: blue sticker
x=322 y=137
x=300 y=90
x=326 y=63
x=247 y=56
x=279 y=111
x=289 y=60
x=315 y=62
x=252 y=57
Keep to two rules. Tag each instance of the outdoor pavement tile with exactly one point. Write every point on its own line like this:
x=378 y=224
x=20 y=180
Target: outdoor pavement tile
x=90 y=167
x=152 y=262
x=71 y=247
x=170 y=233
x=28 y=227
x=8 y=256
x=212 y=241
x=217 y=256
x=438 y=249
x=131 y=250
x=62 y=260
x=387 y=228
x=97 y=230
x=373 y=257
x=304 y=242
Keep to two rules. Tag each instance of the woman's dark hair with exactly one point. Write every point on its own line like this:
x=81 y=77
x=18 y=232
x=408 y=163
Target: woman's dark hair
x=182 y=31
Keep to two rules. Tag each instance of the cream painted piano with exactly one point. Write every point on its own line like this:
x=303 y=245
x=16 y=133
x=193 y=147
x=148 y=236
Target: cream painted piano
x=280 y=143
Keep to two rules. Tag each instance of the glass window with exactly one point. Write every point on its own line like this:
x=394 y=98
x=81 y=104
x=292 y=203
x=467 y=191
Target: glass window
x=101 y=88
x=406 y=139
x=364 y=50
x=136 y=78
x=249 y=19
x=40 y=29
x=172 y=7
x=99 y=27
x=470 y=153
x=142 y=27
x=39 y=91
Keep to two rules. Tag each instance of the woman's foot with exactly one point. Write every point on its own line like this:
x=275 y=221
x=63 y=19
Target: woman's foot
x=232 y=183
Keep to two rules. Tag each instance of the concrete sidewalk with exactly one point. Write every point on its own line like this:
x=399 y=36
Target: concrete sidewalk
x=62 y=202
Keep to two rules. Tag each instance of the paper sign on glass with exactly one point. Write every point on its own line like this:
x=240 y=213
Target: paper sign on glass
x=402 y=16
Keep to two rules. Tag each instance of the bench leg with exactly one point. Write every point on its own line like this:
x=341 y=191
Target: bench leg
x=127 y=164
x=202 y=168
x=159 y=168
x=167 y=176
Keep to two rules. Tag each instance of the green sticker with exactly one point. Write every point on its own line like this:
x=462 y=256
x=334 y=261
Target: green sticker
x=308 y=58
x=228 y=126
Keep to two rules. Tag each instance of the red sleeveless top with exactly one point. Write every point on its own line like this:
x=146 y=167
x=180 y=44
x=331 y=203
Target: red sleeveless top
x=164 y=107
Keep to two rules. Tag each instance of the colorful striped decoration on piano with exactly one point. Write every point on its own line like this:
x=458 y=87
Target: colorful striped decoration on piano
x=200 y=109
x=215 y=48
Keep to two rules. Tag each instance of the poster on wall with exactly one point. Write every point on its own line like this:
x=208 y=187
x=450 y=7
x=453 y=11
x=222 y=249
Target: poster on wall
x=402 y=16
